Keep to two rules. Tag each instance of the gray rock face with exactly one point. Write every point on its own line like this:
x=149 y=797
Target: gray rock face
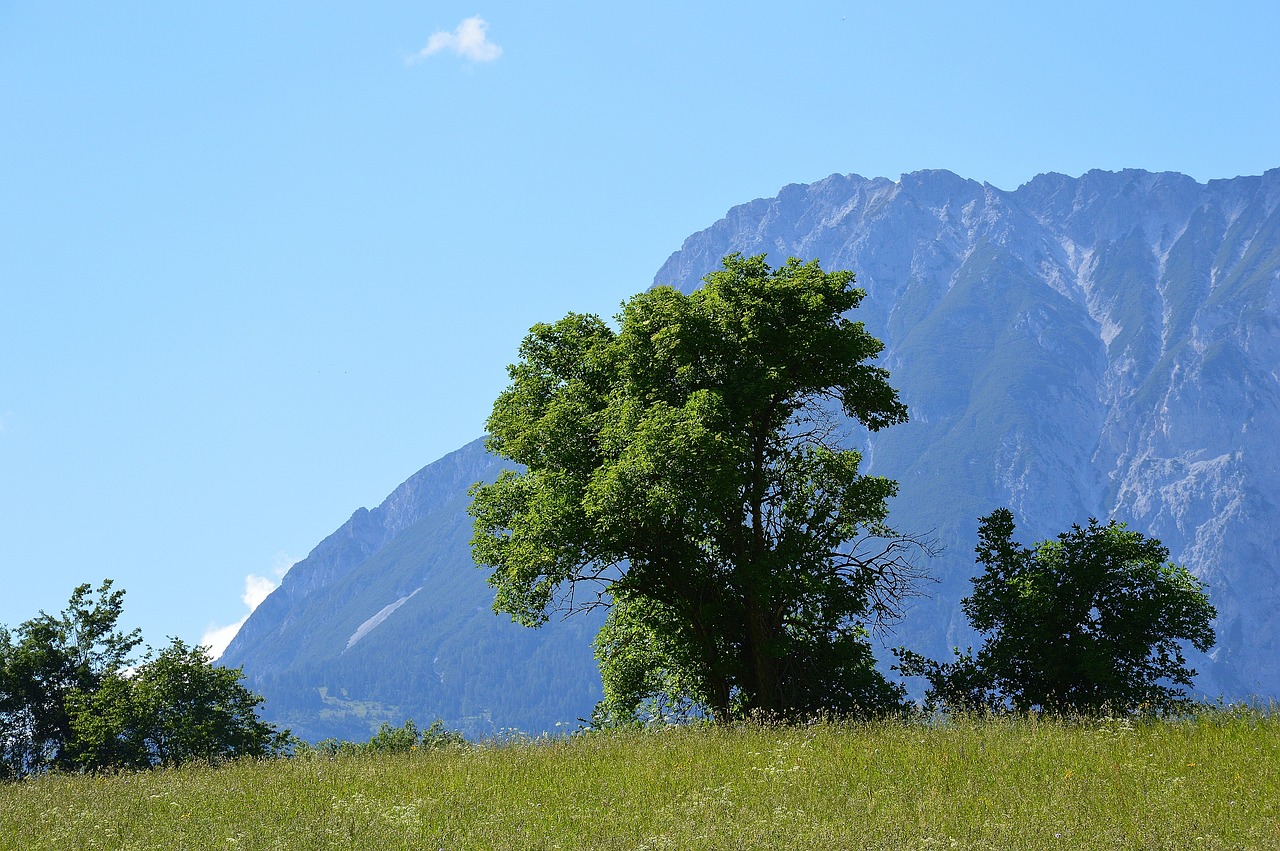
x=1103 y=346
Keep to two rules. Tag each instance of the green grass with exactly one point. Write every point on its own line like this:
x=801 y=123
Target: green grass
x=1209 y=782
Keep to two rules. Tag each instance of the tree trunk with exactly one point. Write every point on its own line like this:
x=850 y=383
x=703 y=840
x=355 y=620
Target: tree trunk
x=765 y=696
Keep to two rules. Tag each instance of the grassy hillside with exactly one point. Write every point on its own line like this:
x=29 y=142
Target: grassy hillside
x=1210 y=782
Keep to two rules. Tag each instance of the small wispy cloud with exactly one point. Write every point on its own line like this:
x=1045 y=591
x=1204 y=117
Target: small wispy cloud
x=470 y=41
x=256 y=589
x=216 y=638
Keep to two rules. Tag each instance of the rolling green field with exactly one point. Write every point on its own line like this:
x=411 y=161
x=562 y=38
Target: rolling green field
x=1212 y=781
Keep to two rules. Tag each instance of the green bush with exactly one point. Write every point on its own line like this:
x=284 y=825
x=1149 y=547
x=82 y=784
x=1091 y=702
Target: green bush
x=389 y=739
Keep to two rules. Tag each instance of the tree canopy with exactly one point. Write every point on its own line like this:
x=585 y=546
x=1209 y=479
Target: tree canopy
x=176 y=707
x=71 y=698
x=43 y=662
x=1093 y=621
x=688 y=467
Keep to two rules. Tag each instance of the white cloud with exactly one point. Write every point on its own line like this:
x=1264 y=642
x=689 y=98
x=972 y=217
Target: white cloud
x=470 y=41
x=256 y=589
x=218 y=637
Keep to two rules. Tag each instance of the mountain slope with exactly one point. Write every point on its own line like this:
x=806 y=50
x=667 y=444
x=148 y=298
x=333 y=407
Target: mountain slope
x=388 y=618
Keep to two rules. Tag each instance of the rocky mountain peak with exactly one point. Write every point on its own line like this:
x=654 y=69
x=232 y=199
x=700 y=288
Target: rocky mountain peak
x=1094 y=346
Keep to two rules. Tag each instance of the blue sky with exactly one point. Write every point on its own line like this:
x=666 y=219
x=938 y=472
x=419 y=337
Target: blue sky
x=260 y=262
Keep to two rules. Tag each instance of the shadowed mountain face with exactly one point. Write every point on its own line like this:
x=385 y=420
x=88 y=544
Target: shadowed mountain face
x=1104 y=346
x=389 y=618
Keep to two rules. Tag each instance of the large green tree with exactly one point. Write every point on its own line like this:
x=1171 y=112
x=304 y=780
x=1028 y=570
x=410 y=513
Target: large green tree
x=1094 y=620
x=688 y=466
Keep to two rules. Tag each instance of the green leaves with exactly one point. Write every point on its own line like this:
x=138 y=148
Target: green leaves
x=687 y=464
x=46 y=659
x=70 y=699
x=1092 y=620
x=176 y=707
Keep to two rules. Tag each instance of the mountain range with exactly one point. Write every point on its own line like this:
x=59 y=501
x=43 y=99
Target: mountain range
x=1098 y=346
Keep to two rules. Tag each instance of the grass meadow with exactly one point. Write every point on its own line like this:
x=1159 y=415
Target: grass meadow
x=1210 y=781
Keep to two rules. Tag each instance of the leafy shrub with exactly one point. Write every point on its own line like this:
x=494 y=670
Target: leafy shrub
x=389 y=739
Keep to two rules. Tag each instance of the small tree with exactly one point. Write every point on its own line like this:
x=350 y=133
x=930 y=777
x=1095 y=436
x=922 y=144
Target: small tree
x=1093 y=621
x=176 y=707
x=46 y=659
x=688 y=466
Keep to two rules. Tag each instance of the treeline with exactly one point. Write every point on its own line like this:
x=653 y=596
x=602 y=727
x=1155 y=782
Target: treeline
x=1089 y=623
x=74 y=697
